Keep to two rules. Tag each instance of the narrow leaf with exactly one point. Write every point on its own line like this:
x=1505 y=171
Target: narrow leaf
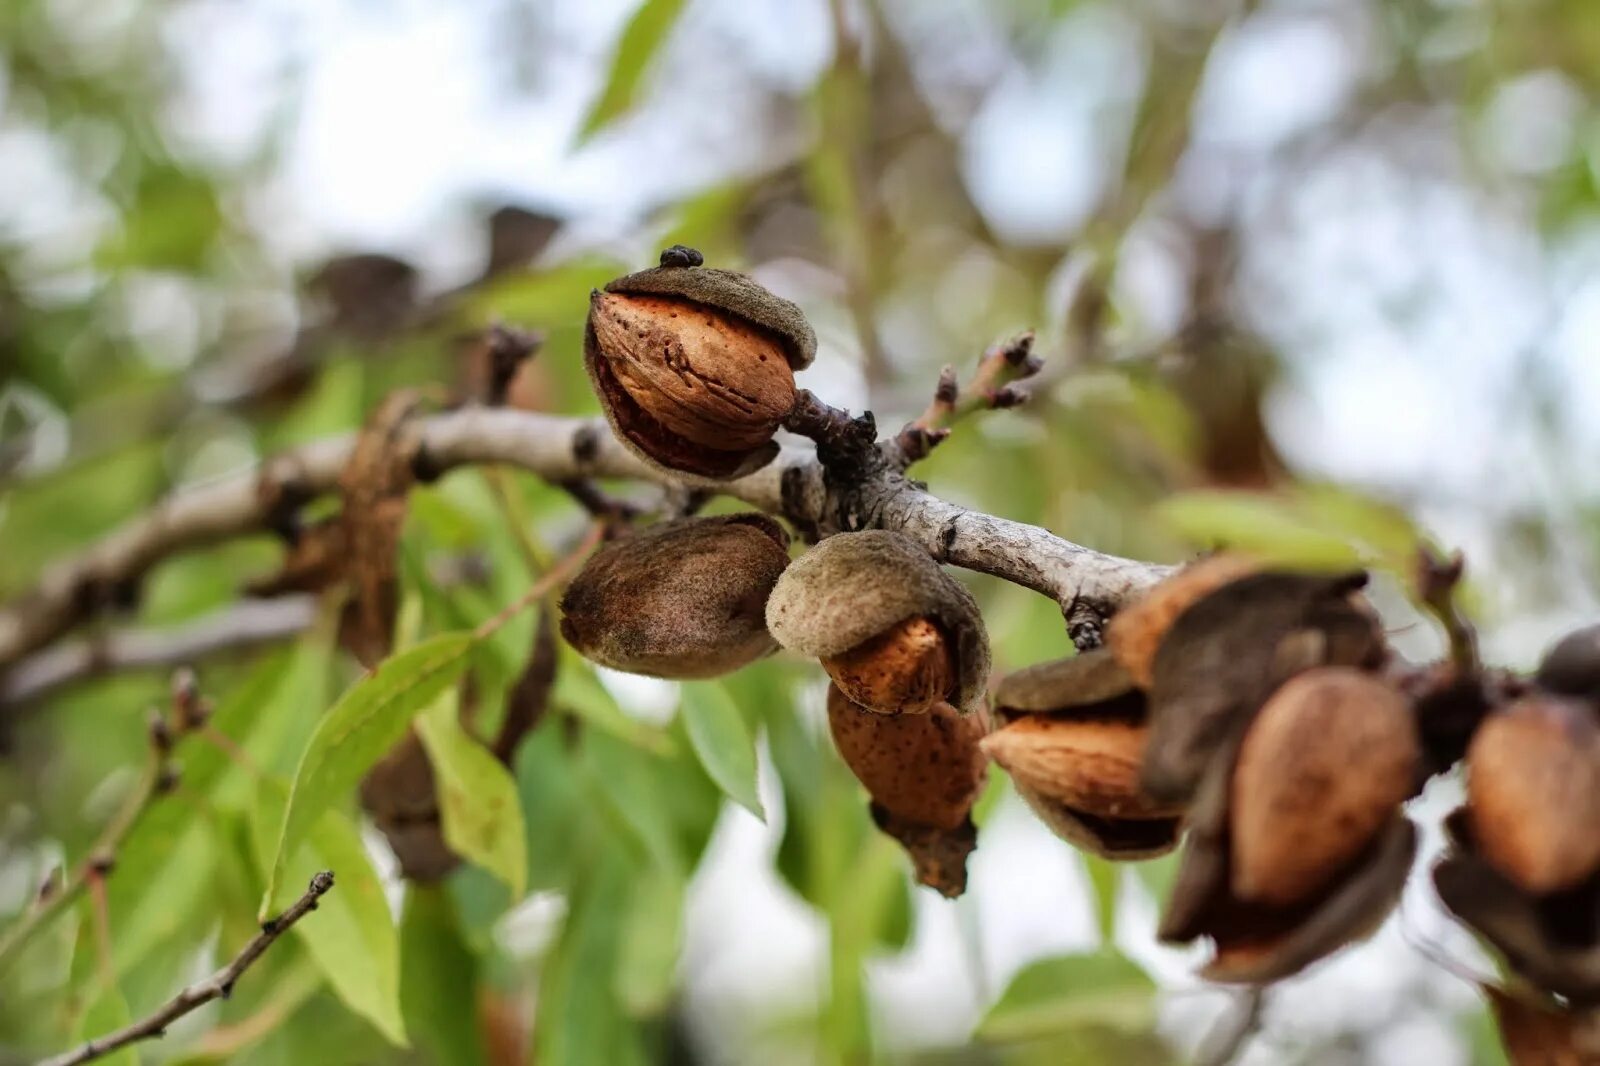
x=366 y=722
x=1066 y=992
x=438 y=980
x=352 y=937
x=721 y=740
x=640 y=41
x=651 y=940
x=107 y=1013
x=478 y=800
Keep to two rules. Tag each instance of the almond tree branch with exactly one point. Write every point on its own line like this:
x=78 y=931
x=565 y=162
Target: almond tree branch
x=240 y=625
x=218 y=986
x=1088 y=584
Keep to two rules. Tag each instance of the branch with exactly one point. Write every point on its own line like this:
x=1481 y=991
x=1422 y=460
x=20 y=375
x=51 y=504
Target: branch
x=1087 y=583
x=218 y=986
x=992 y=387
x=241 y=625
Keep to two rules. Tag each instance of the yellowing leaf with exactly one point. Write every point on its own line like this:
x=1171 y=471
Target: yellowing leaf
x=478 y=800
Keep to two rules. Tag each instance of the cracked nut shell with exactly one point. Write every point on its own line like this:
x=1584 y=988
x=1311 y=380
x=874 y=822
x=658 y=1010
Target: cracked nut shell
x=1136 y=631
x=694 y=367
x=1230 y=650
x=853 y=589
x=1322 y=769
x=1073 y=743
x=681 y=599
x=1533 y=793
x=1089 y=766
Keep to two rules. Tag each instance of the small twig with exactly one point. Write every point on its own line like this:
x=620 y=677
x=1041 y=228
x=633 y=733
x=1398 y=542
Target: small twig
x=993 y=386
x=611 y=510
x=552 y=579
x=1227 y=1039
x=218 y=986
x=159 y=778
x=507 y=348
x=1438 y=579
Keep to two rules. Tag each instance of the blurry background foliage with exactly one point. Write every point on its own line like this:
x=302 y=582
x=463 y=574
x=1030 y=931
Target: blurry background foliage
x=1267 y=247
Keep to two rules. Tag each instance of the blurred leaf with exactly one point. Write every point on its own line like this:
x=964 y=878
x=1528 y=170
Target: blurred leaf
x=438 y=981
x=578 y=690
x=640 y=41
x=577 y=985
x=647 y=967
x=171 y=223
x=478 y=800
x=1262 y=525
x=721 y=739
x=164 y=871
x=1067 y=992
x=552 y=799
x=351 y=936
x=1104 y=879
x=107 y=1013
x=368 y=720
x=1316 y=526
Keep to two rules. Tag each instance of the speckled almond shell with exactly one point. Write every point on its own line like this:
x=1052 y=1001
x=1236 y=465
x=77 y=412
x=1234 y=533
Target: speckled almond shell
x=681 y=599
x=1078 y=681
x=733 y=293
x=853 y=586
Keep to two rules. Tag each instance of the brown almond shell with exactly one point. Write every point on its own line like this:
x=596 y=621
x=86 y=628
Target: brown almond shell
x=1324 y=765
x=1227 y=652
x=1533 y=792
x=683 y=599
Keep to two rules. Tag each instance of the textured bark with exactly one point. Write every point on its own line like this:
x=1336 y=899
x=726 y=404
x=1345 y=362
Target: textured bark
x=1087 y=584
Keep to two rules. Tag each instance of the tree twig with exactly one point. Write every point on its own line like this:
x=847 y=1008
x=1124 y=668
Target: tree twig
x=991 y=387
x=189 y=712
x=240 y=625
x=1087 y=583
x=1438 y=580
x=218 y=986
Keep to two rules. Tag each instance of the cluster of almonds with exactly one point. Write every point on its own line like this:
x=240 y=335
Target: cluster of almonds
x=1524 y=865
x=694 y=368
x=1252 y=714
x=1229 y=707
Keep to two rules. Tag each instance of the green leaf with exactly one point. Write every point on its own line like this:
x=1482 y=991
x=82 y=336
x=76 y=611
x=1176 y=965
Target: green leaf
x=478 y=800
x=577 y=985
x=721 y=740
x=368 y=720
x=1262 y=525
x=351 y=936
x=438 y=980
x=552 y=802
x=640 y=41
x=1104 y=878
x=652 y=938
x=107 y=1013
x=1060 y=994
